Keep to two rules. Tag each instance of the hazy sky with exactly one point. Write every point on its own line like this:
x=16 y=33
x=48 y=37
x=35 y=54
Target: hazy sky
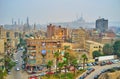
x=46 y=11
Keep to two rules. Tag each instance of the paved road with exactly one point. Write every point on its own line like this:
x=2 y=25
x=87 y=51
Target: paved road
x=98 y=69
x=18 y=74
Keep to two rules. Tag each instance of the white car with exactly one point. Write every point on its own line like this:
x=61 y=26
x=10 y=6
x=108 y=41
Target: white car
x=16 y=61
x=64 y=70
x=17 y=68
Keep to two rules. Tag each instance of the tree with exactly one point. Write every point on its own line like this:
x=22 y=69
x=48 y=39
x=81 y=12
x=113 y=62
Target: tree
x=22 y=42
x=56 y=55
x=66 y=57
x=2 y=74
x=96 y=54
x=116 y=48
x=8 y=62
x=49 y=64
x=107 y=49
x=84 y=57
x=66 y=47
x=74 y=63
x=60 y=65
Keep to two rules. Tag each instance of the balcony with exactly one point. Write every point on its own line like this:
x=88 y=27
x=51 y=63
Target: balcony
x=31 y=50
x=32 y=57
x=32 y=61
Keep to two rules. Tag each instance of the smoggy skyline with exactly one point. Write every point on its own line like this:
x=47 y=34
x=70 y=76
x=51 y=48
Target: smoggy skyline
x=47 y=11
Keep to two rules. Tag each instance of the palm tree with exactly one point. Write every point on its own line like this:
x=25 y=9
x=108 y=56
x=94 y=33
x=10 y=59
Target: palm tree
x=56 y=55
x=66 y=47
x=2 y=74
x=60 y=65
x=84 y=57
x=49 y=64
x=66 y=57
x=74 y=63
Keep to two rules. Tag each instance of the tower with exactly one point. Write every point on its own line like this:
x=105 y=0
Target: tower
x=27 y=25
x=101 y=24
x=18 y=21
x=12 y=21
x=27 y=21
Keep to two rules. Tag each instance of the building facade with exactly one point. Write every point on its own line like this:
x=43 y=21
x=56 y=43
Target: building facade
x=79 y=37
x=37 y=47
x=92 y=46
x=102 y=24
x=3 y=33
x=57 y=32
x=2 y=50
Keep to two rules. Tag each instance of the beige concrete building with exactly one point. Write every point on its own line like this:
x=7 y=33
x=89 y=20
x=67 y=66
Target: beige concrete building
x=2 y=50
x=91 y=46
x=37 y=46
x=3 y=33
x=107 y=40
x=79 y=37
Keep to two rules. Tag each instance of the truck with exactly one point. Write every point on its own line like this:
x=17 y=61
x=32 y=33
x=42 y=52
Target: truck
x=104 y=58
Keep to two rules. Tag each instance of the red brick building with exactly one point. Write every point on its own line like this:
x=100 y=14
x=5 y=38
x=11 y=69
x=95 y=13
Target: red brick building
x=57 y=32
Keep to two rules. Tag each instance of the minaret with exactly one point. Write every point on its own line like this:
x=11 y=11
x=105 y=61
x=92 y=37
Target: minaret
x=34 y=27
x=12 y=21
x=18 y=21
x=27 y=21
x=28 y=27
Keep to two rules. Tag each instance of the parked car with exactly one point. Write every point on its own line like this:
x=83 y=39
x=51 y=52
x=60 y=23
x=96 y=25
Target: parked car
x=104 y=70
x=108 y=62
x=16 y=61
x=97 y=63
x=9 y=72
x=81 y=77
x=33 y=77
x=89 y=64
x=96 y=76
x=49 y=72
x=102 y=63
x=17 y=68
x=94 y=64
x=42 y=74
x=90 y=70
x=84 y=75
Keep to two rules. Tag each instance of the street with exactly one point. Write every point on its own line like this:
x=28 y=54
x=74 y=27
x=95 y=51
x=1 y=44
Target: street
x=98 y=69
x=18 y=74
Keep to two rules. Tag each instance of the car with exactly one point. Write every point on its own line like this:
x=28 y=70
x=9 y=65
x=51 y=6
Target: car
x=90 y=70
x=33 y=77
x=42 y=74
x=9 y=72
x=96 y=76
x=84 y=75
x=104 y=70
x=109 y=62
x=97 y=63
x=49 y=72
x=102 y=64
x=17 y=68
x=64 y=70
x=94 y=64
x=89 y=64
x=81 y=77
x=16 y=61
